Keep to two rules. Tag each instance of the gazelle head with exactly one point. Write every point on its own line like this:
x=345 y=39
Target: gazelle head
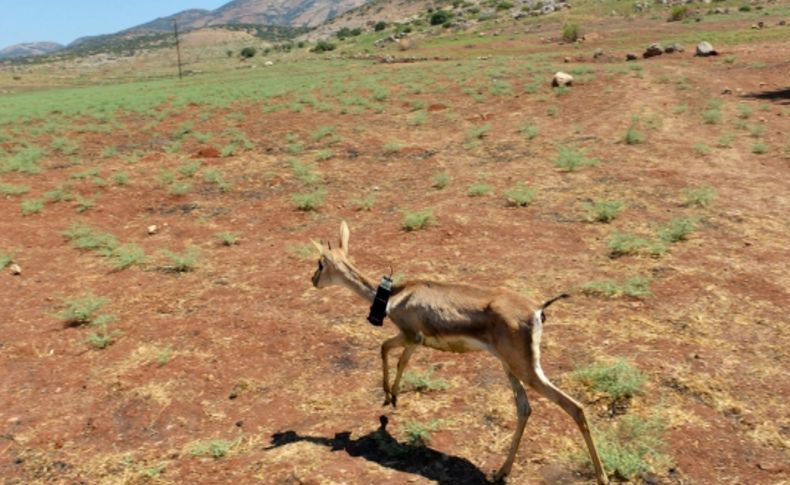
x=331 y=262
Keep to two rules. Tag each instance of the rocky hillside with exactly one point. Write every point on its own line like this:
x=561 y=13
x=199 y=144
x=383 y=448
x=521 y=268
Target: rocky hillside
x=29 y=49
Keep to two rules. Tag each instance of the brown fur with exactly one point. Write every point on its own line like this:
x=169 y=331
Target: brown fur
x=461 y=318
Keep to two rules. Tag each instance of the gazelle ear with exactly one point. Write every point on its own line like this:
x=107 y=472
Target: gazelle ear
x=344 y=234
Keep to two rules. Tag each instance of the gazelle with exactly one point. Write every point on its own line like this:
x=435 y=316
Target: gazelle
x=461 y=318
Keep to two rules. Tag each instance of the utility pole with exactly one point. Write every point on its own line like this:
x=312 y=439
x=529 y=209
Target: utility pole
x=178 y=49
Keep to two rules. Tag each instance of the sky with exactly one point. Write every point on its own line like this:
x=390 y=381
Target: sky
x=66 y=20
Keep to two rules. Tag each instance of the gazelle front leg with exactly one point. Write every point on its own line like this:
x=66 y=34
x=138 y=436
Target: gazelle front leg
x=388 y=345
x=523 y=411
x=402 y=363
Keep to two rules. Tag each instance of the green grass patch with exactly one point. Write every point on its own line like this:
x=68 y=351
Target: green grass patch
x=13 y=189
x=414 y=221
x=479 y=189
x=520 y=195
x=698 y=196
x=617 y=379
x=182 y=262
x=228 y=238
x=83 y=310
x=570 y=159
x=440 y=180
x=623 y=244
x=676 y=230
x=604 y=210
x=636 y=287
x=31 y=206
x=309 y=201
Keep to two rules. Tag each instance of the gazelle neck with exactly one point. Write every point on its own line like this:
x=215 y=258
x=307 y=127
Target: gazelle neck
x=353 y=279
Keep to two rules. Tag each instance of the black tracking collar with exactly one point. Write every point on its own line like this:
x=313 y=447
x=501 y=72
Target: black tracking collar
x=378 y=310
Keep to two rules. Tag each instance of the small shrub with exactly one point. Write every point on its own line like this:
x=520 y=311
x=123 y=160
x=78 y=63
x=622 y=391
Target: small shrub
x=31 y=206
x=183 y=262
x=381 y=25
x=571 y=32
x=323 y=46
x=181 y=188
x=440 y=17
x=520 y=195
x=618 y=379
x=678 y=12
x=24 y=161
x=632 y=136
x=305 y=172
x=725 y=140
x=424 y=381
x=82 y=310
x=698 y=196
x=309 y=201
x=128 y=255
x=189 y=169
x=5 y=260
x=85 y=237
x=247 y=52
x=712 y=116
x=604 y=210
x=214 y=176
x=478 y=189
x=414 y=221
x=632 y=447
x=622 y=244
x=365 y=204
x=530 y=130
x=634 y=287
x=392 y=147
x=760 y=148
x=419 y=434
x=121 y=178
x=569 y=159
x=744 y=110
x=701 y=149
x=13 y=189
x=440 y=180
x=677 y=230
x=228 y=238
x=84 y=203
x=102 y=338
x=216 y=448
x=324 y=154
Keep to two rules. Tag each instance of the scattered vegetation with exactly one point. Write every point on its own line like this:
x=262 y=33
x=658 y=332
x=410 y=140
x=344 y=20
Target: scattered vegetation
x=31 y=206
x=570 y=159
x=440 y=180
x=228 y=238
x=478 y=189
x=182 y=262
x=83 y=310
x=309 y=201
x=636 y=287
x=414 y=221
x=419 y=434
x=215 y=448
x=520 y=195
x=676 y=230
x=698 y=196
x=571 y=32
x=617 y=379
x=622 y=244
x=424 y=381
x=604 y=210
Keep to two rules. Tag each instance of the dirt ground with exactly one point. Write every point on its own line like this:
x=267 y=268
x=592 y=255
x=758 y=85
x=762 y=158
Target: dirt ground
x=244 y=351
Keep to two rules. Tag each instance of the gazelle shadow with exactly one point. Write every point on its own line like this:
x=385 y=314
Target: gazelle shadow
x=380 y=447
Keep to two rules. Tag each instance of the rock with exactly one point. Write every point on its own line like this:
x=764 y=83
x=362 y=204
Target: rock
x=598 y=53
x=761 y=24
x=567 y=60
x=268 y=63
x=15 y=269
x=631 y=57
x=562 y=79
x=782 y=22
x=669 y=49
x=152 y=229
x=704 y=49
x=653 y=50
x=726 y=91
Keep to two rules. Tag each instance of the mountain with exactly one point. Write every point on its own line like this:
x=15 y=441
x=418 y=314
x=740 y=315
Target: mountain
x=293 y=13
x=29 y=49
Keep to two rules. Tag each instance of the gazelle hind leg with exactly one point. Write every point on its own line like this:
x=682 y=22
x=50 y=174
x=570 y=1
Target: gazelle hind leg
x=551 y=392
x=523 y=411
x=388 y=345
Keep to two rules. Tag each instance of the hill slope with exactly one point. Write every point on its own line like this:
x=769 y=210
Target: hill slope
x=29 y=49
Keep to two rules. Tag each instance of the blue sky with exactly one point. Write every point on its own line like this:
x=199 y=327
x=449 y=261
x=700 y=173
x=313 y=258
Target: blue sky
x=65 y=20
